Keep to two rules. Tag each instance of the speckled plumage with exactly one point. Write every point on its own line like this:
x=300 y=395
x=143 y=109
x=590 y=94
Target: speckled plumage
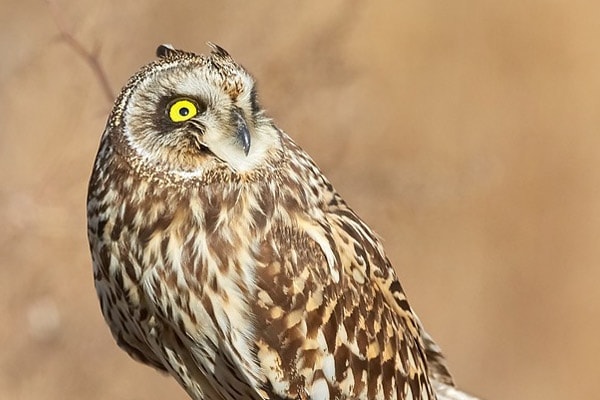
x=225 y=258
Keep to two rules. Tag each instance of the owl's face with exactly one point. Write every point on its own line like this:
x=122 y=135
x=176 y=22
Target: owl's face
x=185 y=114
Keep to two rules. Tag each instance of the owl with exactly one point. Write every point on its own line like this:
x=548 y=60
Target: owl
x=224 y=257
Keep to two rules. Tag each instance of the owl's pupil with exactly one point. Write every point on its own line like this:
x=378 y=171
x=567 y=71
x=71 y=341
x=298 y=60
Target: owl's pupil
x=184 y=111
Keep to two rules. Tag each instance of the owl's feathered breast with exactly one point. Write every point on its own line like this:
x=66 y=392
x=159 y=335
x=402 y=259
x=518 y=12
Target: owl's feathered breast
x=174 y=273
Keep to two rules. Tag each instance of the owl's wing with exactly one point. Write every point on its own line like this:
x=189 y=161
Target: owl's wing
x=382 y=274
x=333 y=321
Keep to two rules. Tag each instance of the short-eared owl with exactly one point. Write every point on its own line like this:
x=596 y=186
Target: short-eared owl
x=225 y=258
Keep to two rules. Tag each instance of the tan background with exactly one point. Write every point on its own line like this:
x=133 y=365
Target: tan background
x=466 y=134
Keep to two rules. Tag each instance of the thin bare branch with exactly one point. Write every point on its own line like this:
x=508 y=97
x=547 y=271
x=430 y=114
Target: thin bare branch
x=90 y=57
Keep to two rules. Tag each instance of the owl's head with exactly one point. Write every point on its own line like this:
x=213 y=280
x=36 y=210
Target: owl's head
x=186 y=114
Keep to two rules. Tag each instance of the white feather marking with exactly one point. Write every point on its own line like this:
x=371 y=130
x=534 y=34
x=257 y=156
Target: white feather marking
x=319 y=390
x=322 y=342
x=315 y=234
x=329 y=367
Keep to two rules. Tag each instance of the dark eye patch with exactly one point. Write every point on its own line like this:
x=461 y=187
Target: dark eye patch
x=161 y=118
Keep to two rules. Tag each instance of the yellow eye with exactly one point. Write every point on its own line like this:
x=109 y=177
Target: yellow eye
x=182 y=110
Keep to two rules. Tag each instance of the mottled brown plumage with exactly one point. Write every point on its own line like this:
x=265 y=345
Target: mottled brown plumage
x=225 y=258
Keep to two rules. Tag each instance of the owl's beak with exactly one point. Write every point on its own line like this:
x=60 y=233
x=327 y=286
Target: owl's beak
x=242 y=133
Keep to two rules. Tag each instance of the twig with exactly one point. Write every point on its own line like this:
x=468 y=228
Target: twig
x=90 y=57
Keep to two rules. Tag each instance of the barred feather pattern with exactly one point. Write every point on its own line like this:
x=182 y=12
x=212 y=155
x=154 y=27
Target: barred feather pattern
x=243 y=276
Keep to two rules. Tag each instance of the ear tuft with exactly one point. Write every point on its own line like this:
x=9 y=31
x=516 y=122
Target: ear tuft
x=168 y=51
x=165 y=51
x=220 y=52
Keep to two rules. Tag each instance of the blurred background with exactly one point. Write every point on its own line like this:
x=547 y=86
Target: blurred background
x=464 y=132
